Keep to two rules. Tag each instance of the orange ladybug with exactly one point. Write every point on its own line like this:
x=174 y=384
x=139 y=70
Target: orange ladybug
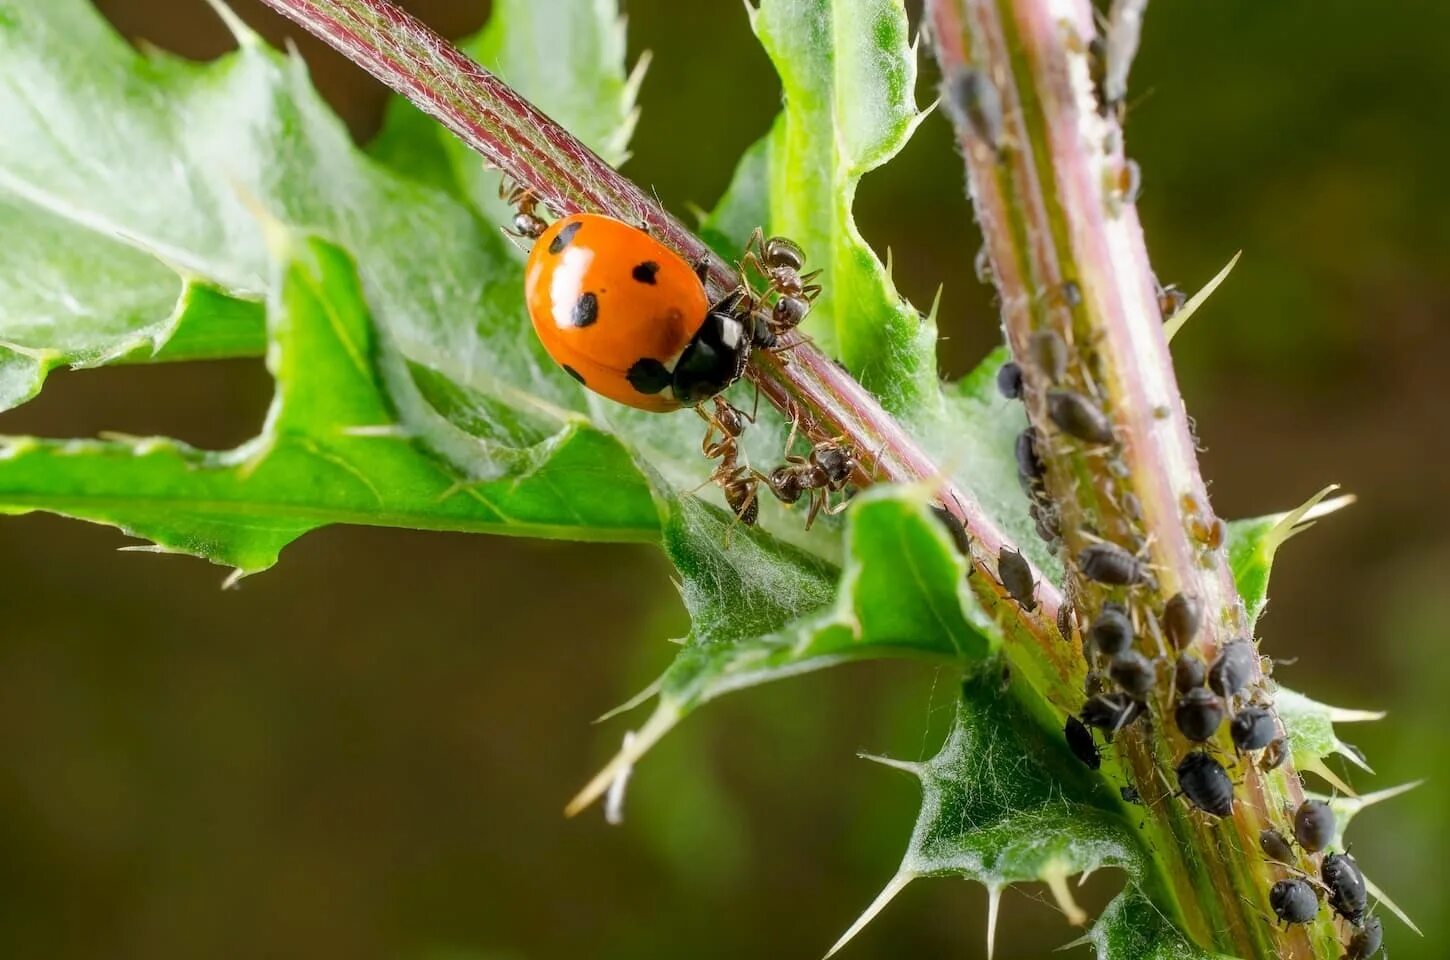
x=626 y=316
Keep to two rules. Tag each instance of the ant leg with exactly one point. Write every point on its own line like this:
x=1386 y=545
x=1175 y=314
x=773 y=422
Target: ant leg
x=701 y=267
x=817 y=498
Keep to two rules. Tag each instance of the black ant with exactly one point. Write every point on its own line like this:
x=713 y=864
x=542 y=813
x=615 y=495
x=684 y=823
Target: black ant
x=779 y=261
x=736 y=480
x=527 y=224
x=826 y=470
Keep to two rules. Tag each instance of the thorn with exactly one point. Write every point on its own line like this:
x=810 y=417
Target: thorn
x=666 y=715
x=1316 y=765
x=935 y=303
x=1390 y=905
x=614 y=799
x=1284 y=528
x=909 y=766
x=994 y=904
x=1343 y=715
x=632 y=702
x=243 y=34
x=150 y=548
x=1081 y=941
x=233 y=578
x=1347 y=808
x=1176 y=322
x=1055 y=876
x=1389 y=793
x=1351 y=753
x=893 y=886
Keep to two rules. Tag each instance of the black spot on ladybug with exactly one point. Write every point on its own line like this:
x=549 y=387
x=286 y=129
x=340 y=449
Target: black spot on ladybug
x=645 y=272
x=564 y=237
x=586 y=310
x=573 y=373
x=648 y=376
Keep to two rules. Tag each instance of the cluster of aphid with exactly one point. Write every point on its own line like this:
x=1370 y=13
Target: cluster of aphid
x=1121 y=680
x=626 y=317
x=1295 y=897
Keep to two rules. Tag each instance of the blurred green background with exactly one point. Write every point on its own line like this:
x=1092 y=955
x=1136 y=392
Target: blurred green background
x=364 y=752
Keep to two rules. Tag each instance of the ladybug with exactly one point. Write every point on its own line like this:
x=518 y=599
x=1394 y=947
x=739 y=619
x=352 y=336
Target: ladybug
x=627 y=317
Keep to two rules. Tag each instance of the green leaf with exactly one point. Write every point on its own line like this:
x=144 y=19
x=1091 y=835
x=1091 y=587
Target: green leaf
x=187 y=155
x=1253 y=543
x=1132 y=927
x=762 y=611
x=565 y=56
x=1309 y=726
x=332 y=451
x=849 y=75
x=1004 y=802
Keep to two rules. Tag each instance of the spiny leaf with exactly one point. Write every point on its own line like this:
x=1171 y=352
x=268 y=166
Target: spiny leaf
x=1312 y=738
x=1004 y=802
x=1133 y=928
x=1253 y=543
x=331 y=452
x=761 y=611
x=146 y=172
x=849 y=77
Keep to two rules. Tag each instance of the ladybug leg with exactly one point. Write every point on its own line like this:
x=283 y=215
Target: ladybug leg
x=731 y=302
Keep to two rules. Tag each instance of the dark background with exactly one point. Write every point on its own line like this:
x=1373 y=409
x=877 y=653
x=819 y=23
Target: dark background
x=364 y=752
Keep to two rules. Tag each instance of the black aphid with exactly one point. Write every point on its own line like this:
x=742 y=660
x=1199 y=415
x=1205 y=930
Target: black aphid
x=973 y=101
x=1188 y=672
x=1293 y=900
x=1009 y=380
x=1046 y=521
x=1253 y=728
x=1110 y=712
x=1206 y=785
x=1110 y=564
x=1049 y=353
x=1111 y=632
x=1080 y=742
x=1130 y=794
x=1345 y=882
x=1030 y=467
x=1275 y=845
x=1366 y=941
x=1182 y=616
x=1232 y=669
x=1076 y=416
x=1314 y=825
x=955 y=529
x=1199 y=714
x=1134 y=672
x=1016 y=575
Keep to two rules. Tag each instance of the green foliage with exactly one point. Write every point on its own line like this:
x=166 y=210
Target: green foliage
x=849 y=75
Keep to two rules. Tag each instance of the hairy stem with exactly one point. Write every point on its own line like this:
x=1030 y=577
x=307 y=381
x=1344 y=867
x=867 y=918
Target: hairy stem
x=1053 y=192
x=532 y=150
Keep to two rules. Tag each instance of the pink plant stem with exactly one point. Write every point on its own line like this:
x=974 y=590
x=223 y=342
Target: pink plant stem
x=532 y=150
x=1049 y=194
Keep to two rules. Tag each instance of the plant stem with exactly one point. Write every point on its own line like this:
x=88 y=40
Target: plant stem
x=532 y=150
x=1052 y=191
